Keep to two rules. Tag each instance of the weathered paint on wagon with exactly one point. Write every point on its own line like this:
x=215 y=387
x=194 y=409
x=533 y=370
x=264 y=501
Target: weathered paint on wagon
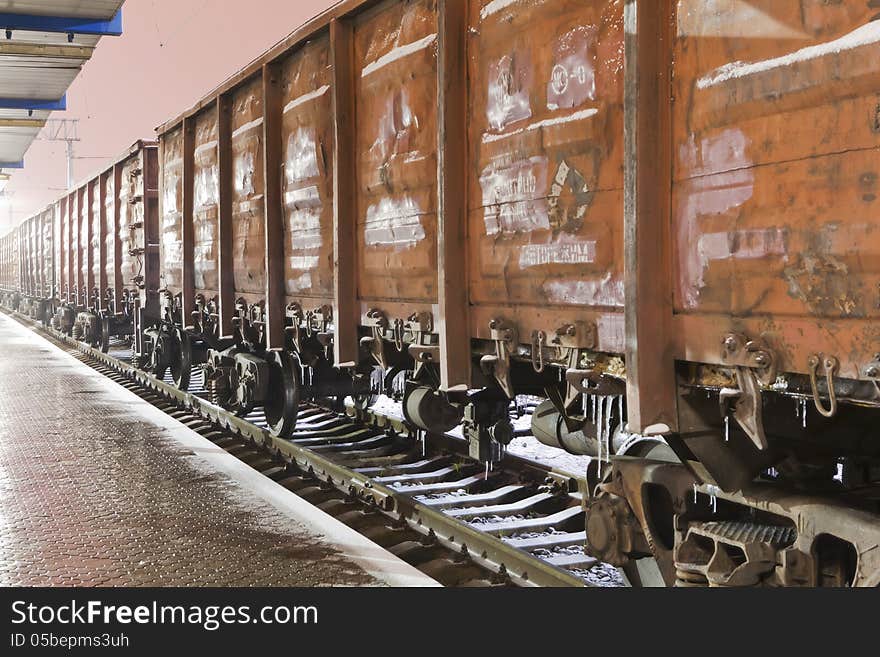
x=206 y=196
x=83 y=244
x=544 y=163
x=546 y=167
x=97 y=228
x=396 y=91
x=36 y=246
x=776 y=209
x=307 y=143
x=171 y=209
x=248 y=231
x=9 y=263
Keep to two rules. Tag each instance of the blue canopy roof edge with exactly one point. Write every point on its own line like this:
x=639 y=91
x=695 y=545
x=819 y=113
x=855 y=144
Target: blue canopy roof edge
x=12 y=165
x=62 y=24
x=33 y=104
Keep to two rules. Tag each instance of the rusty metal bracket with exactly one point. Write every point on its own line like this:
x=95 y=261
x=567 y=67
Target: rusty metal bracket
x=754 y=364
x=739 y=351
x=578 y=335
x=505 y=337
x=748 y=406
x=420 y=325
x=829 y=364
x=377 y=321
x=294 y=312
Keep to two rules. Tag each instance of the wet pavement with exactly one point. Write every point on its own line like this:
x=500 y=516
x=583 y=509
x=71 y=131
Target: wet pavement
x=98 y=488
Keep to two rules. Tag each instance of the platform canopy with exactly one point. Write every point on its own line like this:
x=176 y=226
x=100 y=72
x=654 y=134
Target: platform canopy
x=43 y=47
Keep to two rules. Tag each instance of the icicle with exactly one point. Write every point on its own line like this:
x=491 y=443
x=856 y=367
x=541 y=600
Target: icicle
x=805 y=414
x=486 y=477
x=608 y=404
x=714 y=504
x=695 y=493
x=727 y=428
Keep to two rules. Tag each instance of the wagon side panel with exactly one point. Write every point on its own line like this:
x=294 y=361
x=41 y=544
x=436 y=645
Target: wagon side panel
x=396 y=89
x=776 y=195
x=545 y=196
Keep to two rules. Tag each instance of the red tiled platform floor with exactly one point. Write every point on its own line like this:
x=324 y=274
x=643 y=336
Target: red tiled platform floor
x=97 y=488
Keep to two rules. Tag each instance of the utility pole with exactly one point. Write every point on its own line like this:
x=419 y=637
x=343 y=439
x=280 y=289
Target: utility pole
x=63 y=130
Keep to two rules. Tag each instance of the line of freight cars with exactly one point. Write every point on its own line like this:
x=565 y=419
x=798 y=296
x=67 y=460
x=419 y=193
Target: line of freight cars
x=660 y=216
x=88 y=265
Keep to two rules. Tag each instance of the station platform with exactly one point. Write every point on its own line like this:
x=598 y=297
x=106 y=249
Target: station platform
x=99 y=488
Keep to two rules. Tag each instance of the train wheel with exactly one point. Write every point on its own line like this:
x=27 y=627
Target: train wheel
x=105 y=335
x=181 y=360
x=282 y=405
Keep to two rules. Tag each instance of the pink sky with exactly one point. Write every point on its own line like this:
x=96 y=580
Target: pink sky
x=173 y=52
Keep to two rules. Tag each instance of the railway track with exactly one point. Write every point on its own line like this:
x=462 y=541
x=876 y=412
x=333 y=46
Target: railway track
x=420 y=497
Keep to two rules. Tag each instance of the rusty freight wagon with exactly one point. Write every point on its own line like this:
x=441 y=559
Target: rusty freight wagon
x=107 y=253
x=37 y=248
x=660 y=216
x=10 y=281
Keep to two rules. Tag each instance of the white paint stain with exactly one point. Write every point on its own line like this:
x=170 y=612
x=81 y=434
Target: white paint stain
x=398 y=53
x=300 y=283
x=709 y=194
x=303 y=262
x=866 y=35
x=508 y=100
x=206 y=187
x=731 y=19
x=607 y=291
x=743 y=244
x=243 y=166
x=394 y=222
x=302 y=155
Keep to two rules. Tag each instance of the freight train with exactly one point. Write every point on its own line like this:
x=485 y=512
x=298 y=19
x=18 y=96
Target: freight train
x=659 y=216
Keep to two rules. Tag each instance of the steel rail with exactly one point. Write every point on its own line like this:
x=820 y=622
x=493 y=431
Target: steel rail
x=488 y=551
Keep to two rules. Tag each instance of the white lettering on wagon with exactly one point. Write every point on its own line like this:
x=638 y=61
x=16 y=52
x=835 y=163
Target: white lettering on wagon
x=538 y=255
x=573 y=78
x=514 y=196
